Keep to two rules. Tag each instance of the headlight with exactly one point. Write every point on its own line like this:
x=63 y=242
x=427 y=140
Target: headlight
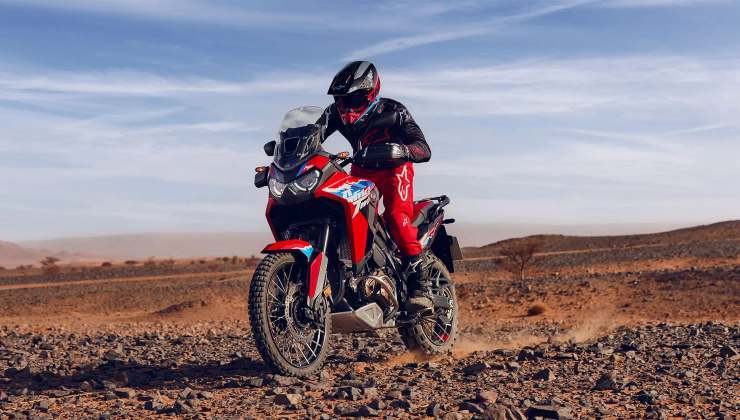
x=307 y=182
x=276 y=187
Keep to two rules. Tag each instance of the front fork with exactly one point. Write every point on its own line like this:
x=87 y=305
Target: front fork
x=317 y=270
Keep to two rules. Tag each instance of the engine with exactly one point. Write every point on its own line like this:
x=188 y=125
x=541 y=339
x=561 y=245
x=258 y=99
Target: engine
x=378 y=288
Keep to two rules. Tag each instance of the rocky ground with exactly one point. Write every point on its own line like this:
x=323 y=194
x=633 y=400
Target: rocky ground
x=648 y=331
x=211 y=369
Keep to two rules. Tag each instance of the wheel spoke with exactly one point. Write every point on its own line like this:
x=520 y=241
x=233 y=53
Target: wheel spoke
x=282 y=285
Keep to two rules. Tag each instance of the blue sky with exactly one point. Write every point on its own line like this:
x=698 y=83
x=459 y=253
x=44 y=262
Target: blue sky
x=130 y=116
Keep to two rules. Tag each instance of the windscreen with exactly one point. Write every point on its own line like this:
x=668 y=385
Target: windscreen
x=300 y=136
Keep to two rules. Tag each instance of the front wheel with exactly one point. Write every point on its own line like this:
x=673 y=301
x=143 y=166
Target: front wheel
x=436 y=333
x=288 y=338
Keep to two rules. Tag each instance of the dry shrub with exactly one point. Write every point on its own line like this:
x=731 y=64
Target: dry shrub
x=49 y=265
x=235 y=260
x=520 y=256
x=131 y=262
x=2 y=268
x=106 y=264
x=538 y=308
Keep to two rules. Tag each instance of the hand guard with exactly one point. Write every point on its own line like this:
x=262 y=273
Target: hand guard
x=382 y=156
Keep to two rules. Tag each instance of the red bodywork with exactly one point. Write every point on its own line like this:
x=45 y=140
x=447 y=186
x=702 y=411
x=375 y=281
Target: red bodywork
x=353 y=194
x=420 y=206
x=315 y=261
x=289 y=245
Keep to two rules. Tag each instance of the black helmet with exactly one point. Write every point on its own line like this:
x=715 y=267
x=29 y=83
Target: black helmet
x=355 y=88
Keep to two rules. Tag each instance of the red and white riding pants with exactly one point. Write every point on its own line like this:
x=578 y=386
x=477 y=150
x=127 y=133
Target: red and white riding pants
x=396 y=185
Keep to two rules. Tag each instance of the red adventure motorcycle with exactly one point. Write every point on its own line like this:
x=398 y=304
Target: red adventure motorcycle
x=334 y=267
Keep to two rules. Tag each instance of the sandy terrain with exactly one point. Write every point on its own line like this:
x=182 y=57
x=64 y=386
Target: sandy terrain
x=641 y=326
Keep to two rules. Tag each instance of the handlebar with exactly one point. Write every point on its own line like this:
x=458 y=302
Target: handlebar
x=344 y=161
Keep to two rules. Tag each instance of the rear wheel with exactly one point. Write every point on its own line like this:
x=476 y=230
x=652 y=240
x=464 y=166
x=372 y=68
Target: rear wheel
x=436 y=333
x=287 y=337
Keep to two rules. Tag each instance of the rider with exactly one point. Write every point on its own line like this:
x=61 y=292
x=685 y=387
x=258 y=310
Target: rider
x=385 y=140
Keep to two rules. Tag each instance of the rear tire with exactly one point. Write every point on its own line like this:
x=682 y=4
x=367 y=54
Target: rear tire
x=437 y=336
x=266 y=315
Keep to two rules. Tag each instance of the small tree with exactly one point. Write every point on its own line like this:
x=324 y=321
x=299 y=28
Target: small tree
x=49 y=264
x=49 y=261
x=519 y=256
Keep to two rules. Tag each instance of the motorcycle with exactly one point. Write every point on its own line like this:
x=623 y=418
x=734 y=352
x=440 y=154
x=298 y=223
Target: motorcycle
x=334 y=267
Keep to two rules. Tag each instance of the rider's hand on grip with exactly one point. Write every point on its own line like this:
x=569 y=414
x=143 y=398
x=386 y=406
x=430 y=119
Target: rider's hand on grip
x=381 y=156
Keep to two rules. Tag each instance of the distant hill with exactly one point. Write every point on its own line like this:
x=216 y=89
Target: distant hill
x=161 y=245
x=729 y=230
x=191 y=245
x=13 y=255
x=479 y=234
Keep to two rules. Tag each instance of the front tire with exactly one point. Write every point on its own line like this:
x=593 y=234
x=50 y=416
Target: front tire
x=437 y=333
x=288 y=342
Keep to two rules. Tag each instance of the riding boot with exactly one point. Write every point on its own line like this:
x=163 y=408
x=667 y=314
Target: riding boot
x=420 y=286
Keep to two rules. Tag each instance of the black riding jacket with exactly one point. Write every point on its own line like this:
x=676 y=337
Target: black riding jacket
x=388 y=122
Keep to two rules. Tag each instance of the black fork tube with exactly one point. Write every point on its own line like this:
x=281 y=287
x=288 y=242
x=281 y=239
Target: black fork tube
x=325 y=238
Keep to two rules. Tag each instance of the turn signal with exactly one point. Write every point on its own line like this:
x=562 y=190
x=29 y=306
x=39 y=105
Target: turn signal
x=260 y=169
x=343 y=155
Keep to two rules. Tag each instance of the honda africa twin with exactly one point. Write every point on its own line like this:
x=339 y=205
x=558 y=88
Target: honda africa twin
x=334 y=267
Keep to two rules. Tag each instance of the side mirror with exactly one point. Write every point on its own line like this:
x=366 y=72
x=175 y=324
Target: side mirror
x=261 y=175
x=270 y=148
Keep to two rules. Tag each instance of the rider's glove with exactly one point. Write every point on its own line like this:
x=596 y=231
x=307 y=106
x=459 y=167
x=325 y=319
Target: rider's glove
x=382 y=156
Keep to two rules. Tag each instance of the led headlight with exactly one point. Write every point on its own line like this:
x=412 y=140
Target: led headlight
x=276 y=187
x=307 y=182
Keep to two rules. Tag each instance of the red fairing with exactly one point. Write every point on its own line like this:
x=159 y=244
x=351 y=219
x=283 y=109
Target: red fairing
x=289 y=245
x=353 y=194
x=318 y=162
x=420 y=206
x=315 y=275
x=270 y=203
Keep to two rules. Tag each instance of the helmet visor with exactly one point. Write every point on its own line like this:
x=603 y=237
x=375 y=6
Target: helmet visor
x=354 y=101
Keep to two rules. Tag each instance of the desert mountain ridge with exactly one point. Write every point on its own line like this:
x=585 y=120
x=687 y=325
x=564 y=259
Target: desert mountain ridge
x=12 y=254
x=727 y=230
x=190 y=245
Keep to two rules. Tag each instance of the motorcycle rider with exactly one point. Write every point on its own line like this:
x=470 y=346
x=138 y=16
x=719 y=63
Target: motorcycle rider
x=386 y=141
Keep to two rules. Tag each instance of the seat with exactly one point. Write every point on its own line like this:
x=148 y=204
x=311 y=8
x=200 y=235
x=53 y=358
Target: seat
x=422 y=209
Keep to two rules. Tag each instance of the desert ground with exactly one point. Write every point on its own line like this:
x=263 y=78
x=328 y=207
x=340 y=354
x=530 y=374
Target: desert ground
x=639 y=326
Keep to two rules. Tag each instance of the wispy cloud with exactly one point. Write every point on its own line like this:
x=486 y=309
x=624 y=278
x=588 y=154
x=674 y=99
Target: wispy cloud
x=245 y=15
x=112 y=128
x=133 y=83
x=633 y=85
x=177 y=10
x=469 y=30
x=658 y=3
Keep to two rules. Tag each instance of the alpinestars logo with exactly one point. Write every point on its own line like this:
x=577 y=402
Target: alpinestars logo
x=403 y=183
x=357 y=193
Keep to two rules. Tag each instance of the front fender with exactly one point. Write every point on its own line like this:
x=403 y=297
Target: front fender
x=305 y=248
x=315 y=261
